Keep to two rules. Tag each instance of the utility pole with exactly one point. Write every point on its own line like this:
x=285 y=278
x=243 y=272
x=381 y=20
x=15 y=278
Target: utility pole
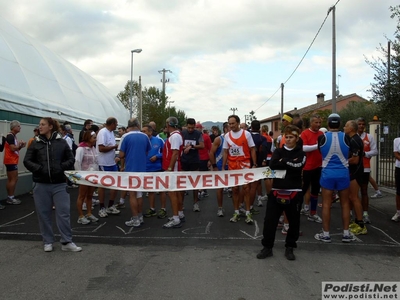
x=233 y=109
x=282 y=88
x=163 y=80
x=140 y=102
x=333 y=9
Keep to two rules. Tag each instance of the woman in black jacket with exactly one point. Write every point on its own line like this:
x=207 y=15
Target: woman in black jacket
x=47 y=158
x=286 y=194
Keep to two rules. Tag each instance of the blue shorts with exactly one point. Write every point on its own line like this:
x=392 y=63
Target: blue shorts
x=113 y=168
x=10 y=168
x=334 y=179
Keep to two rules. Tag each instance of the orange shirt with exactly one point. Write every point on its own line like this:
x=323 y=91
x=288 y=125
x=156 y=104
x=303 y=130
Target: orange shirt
x=10 y=157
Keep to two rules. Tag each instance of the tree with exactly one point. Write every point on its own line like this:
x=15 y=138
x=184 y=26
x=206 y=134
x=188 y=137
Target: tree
x=386 y=88
x=154 y=105
x=355 y=110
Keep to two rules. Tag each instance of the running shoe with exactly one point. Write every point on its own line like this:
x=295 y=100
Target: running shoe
x=348 y=238
x=357 y=230
x=396 y=217
x=83 y=221
x=120 y=205
x=314 y=218
x=259 y=202
x=353 y=225
x=92 y=218
x=242 y=212
x=249 y=219
x=366 y=219
x=2 y=206
x=234 y=218
x=133 y=222
x=71 y=247
x=13 y=201
x=172 y=224
x=196 y=207
x=95 y=201
x=377 y=195
x=304 y=211
x=321 y=237
x=229 y=192
x=182 y=219
x=141 y=220
x=150 y=213
x=285 y=229
x=254 y=211
x=220 y=212
x=103 y=213
x=112 y=210
x=264 y=253
x=162 y=213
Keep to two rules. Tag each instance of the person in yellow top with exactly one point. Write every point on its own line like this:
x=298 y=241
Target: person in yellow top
x=11 y=158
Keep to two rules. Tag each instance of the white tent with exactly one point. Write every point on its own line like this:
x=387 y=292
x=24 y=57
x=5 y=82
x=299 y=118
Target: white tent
x=37 y=82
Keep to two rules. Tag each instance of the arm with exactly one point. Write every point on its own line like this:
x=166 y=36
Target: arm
x=309 y=148
x=213 y=150
x=103 y=148
x=174 y=158
x=373 y=148
x=254 y=156
x=30 y=159
x=78 y=158
x=225 y=157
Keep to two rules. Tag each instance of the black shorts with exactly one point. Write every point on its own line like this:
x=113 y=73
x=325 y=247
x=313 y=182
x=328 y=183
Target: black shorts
x=188 y=166
x=10 y=168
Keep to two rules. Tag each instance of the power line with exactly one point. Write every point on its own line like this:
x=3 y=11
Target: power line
x=308 y=49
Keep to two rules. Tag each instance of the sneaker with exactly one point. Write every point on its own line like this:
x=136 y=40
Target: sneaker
x=141 y=220
x=264 y=253
x=335 y=198
x=264 y=197
x=225 y=191
x=95 y=194
x=2 y=206
x=95 y=202
x=396 y=218
x=150 y=213
x=120 y=205
x=83 y=221
x=112 y=210
x=366 y=219
x=84 y=207
x=196 y=207
x=321 y=237
x=13 y=201
x=182 y=219
x=314 y=218
x=103 y=213
x=172 y=224
x=133 y=222
x=348 y=238
x=162 y=213
x=249 y=219
x=305 y=212
x=48 y=247
x=220 y=212
x=229 y=193
x=254 y=211
x=71 y=247
x=259 y=202
x=285 y=229
x=353 y=225
x=92 y=218
x=234 y=218
x=289 y=253
x=377 y=195
x=242 y=212
x=357 y=230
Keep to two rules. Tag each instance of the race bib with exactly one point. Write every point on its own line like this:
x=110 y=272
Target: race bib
x=236 y=151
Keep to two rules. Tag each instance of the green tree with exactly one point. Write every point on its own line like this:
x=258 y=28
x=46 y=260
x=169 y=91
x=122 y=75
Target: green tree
x=155 y=106
x=386 y=88
x=355 y=110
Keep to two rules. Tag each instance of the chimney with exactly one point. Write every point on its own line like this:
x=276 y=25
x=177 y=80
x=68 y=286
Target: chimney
x=320 y=98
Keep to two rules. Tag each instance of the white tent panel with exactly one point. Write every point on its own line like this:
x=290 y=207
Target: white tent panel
x=35 y=81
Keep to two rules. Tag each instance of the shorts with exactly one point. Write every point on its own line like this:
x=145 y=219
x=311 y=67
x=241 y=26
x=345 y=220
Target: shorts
x=238 y=164
x=10 y=168
x=364 y=180
x=113 y=168
x=203 y=165
x=335 y=179
x=188 y=166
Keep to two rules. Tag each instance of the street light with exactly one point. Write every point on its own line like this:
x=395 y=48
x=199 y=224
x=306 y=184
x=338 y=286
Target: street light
x=169 y=107
x=131 y=93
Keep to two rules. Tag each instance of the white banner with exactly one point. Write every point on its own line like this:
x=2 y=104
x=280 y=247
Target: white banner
x=172 y=181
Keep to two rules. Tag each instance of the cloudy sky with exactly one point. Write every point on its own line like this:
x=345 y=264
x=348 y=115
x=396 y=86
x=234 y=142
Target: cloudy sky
x=221 y=54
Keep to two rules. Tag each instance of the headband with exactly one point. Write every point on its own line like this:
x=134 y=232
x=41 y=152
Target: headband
x=287 y=118
x=92 y=133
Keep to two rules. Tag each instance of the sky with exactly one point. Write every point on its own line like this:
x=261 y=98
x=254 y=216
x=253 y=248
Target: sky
x=224 y=56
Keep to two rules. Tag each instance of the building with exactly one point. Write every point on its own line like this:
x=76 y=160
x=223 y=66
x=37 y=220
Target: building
x=274 y=122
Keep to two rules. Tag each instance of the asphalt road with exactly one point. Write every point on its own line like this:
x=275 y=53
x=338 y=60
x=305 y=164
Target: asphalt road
x=208 y=258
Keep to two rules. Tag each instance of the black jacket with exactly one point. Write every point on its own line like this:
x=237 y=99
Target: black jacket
x=293 y=162
x=48 y=159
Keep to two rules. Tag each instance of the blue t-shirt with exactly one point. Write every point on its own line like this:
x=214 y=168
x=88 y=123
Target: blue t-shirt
x=157 y=145
x=135 y=145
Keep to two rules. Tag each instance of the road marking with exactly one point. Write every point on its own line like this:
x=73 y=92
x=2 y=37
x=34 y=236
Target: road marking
x=131 y=230
x=394 y=241
x=98 y=227
x=7 y=224
x=206 y=231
